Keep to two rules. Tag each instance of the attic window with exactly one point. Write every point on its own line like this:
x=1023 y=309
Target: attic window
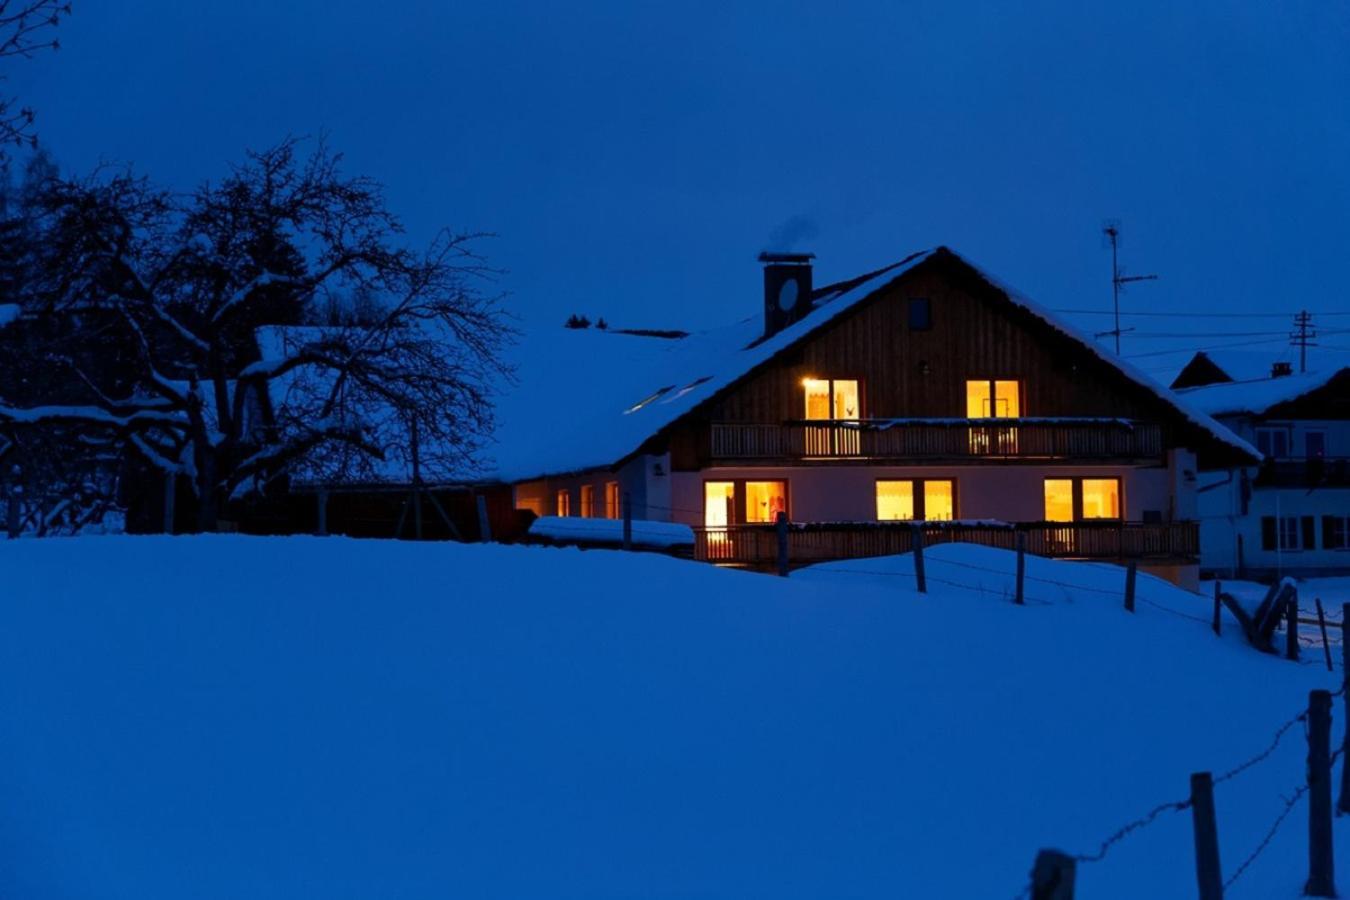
x=646 y=401
x=920 y=313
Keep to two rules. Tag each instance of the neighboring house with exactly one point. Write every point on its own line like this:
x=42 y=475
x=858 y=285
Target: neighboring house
x=924 y=391
x=1291 y=514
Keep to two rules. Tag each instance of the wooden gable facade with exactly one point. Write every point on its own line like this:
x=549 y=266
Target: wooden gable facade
x=913 y=345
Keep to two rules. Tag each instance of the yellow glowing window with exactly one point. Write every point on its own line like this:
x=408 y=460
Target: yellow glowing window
x=895 y=501
x=988 y=399
x=611 y=499
x=587 y=501
x=564 y=503
x=831 y=398
x=719 y=503
x=1059 y=499
x=1101 y=498
x=939 y=501
x=764 y=500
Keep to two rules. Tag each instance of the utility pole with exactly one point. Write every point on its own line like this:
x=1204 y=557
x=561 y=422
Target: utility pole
x=1111 y=231
x=1302 y=337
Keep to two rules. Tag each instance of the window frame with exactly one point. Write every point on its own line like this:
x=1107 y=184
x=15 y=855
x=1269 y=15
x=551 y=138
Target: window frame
x=920 y=502
x=831 y=393
x=562 y=502
x=588 y=501
x=992 y=384
x=739 y=499
x=613 y=500
x=912 y=306
x=1076 y=482
x=1284 y=432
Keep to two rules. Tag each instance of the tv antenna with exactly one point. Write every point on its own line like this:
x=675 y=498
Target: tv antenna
x=1111 y=233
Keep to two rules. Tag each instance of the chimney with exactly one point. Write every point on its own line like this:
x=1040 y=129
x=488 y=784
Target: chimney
x=787 y=289
x=1281 y=369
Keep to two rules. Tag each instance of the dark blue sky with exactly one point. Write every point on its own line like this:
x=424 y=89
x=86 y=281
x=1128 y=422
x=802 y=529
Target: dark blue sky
x=635 y=157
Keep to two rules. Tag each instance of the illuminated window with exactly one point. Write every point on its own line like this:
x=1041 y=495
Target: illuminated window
x=939 y=501
x=930 y=499
x=764 y=500
x=993 y=399
x=831 y=398
x=564 y=503
x=895 y=501
x=1081 y=499
x=719 y=503
x=1059 y=500
x=587 y=501
x=1101 y=498
x=612 y=510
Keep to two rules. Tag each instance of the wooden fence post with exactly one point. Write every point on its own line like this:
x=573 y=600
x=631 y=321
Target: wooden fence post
x=1020 y=597
x=484 y=523
x=1291 y=628
x=1344 y=804
x=321 y=498
x=1218 y=606
x=1208 y=875
x=1052 y=878
x=1322 y=624
x=920 y=579
x=1131 y=572
x=781 y=526
x=627 y=521
x=1321 y=874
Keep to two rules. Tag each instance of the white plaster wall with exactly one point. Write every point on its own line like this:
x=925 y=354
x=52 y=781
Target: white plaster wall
x=848 y=493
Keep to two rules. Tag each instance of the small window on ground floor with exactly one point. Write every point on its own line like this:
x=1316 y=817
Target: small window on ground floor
x=931 y=499
x=612 y=510
x=1336 y=532
x=1082 y=499
x=564 y=507
x=587 y=501
x=764 y=500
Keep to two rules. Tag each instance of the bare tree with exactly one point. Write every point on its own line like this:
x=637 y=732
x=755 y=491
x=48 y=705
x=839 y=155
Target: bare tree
x=25 y=29
x=192 y=280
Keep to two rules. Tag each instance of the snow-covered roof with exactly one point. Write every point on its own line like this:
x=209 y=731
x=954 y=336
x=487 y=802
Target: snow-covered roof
x=1247 y=364
x=588 y=398
x=1255 y=396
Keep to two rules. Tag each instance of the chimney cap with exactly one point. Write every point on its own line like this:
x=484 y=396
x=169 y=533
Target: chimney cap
x=799 y=259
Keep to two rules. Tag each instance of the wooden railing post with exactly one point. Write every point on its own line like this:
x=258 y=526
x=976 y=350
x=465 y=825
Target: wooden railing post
x=1321 y=869
x=1208 y=875
x=1130 y=574
x=920 y=578
x=1218 y=606
x=1291 y=628
x=781 y=523
x=484 y=524
x=627 y=521
x=1053 y=876
x=1344 y=805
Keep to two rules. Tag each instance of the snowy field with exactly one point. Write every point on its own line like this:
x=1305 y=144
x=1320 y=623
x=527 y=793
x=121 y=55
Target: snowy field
x=231 y=717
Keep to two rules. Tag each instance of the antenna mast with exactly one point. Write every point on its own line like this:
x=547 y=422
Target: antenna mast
x=1111 y=232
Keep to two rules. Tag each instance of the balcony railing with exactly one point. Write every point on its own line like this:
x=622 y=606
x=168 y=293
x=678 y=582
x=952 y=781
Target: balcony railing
x=757 y=545
x=1329 y=471
x=939 y=439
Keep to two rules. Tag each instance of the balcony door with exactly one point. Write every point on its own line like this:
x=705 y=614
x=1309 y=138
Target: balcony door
x=1071 y=500
x=832 y=400
x=992 y=398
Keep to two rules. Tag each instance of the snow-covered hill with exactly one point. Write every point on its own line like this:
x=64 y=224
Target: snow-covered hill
x=231 y=717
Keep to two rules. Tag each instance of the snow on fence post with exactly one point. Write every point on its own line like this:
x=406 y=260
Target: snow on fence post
x=1130 y=574
x=1019 y=598
x=1291 y=627
x=484 y=525
x=1321 y=875
x=1053 y=875
x=1218 y=606
x=1344 y=805
x=1208 y=875
x=627 y=521
x=781 y=527
x=920 y=579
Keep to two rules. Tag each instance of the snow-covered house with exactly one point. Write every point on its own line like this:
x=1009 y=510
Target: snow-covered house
x=1290 y=515
x=924 y=391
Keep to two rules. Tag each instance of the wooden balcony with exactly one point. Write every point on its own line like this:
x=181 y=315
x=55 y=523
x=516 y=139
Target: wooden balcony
x=757 y=545
x=948 y=440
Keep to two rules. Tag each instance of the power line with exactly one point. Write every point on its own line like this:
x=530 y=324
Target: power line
x=1193 y=315
x=1209 y=347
